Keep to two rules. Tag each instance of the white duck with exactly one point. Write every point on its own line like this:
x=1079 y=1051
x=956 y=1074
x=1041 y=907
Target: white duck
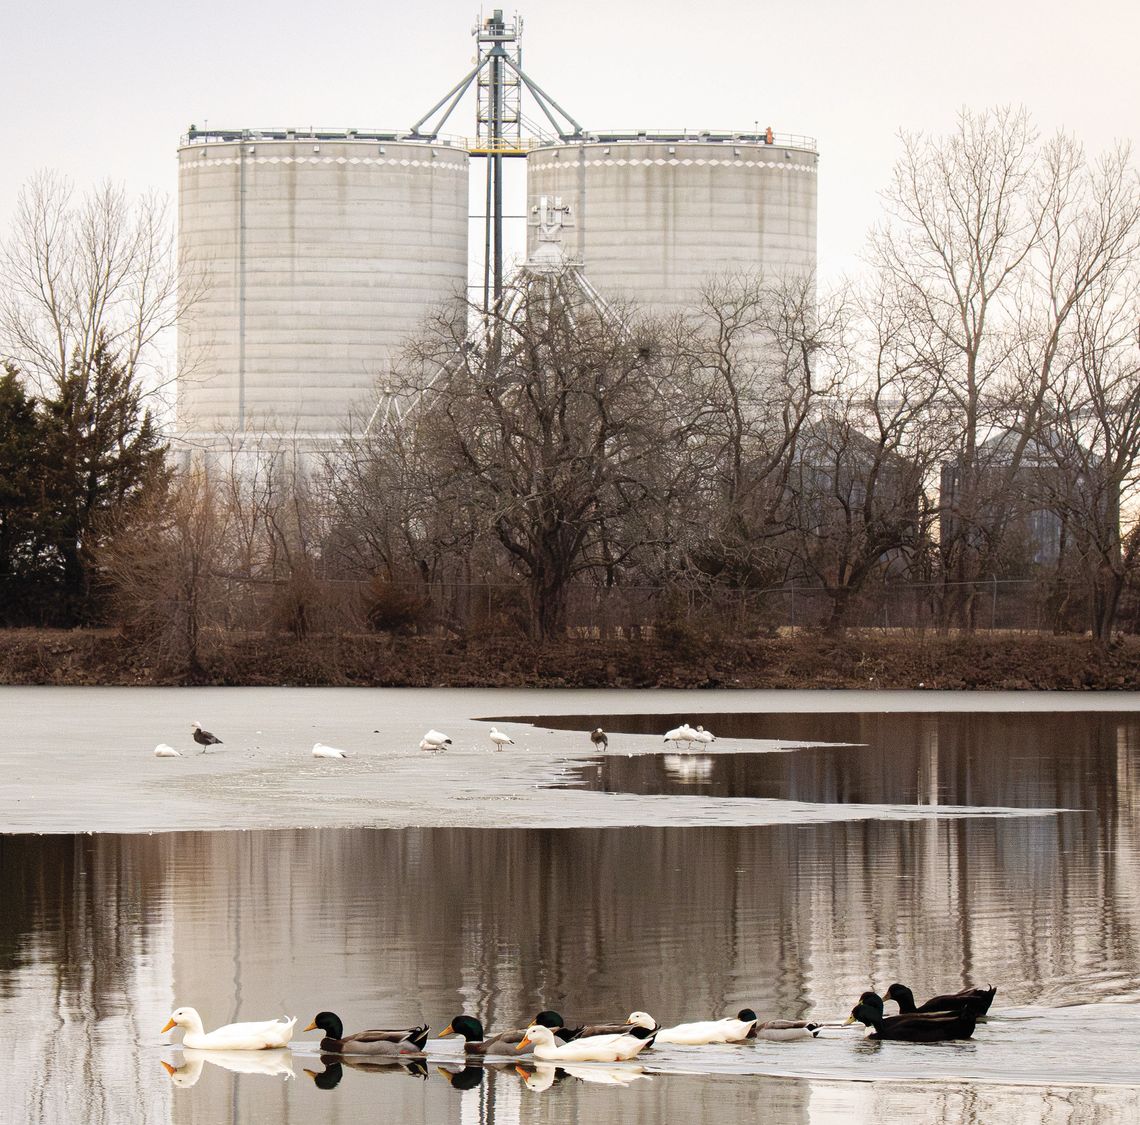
x=434 y=740
x=710 y=1031
x=320 y=750
x=164 y=751
x=233 y=1036
x=499 y=739
x=595 y=1048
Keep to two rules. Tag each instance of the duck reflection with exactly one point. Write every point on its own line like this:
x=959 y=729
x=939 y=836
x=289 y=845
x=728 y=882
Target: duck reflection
x=688 y=768
x=240 y=1062
x=463 y=1077
x=542 y=1076
x=334 y=1065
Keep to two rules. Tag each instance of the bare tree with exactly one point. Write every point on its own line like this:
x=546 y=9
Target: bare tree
x=859 y=505
x=77 y=271
x=993 y=242
x=164 y=569
x=547 y=435
x=757 y=356
x=1093 y=437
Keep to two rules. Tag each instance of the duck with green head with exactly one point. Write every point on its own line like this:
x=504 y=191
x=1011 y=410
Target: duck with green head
x=475 y=1042
x=394 y=1042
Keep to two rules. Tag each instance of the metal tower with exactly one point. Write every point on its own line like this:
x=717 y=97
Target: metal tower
x=500 y=81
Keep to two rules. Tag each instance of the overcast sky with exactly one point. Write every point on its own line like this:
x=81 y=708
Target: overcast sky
x=105 y=91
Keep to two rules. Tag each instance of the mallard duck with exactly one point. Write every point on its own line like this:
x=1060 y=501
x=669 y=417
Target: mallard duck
x=505 y=1043
x=932 y=1027
x=783 y=1031
x=976 y=1000
x=617 y=1027
x=233 y=1036
x=400 y=1041
x=595 y=1048
x=728 y=1030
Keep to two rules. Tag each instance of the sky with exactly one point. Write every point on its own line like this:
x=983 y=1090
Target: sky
x=104 y=92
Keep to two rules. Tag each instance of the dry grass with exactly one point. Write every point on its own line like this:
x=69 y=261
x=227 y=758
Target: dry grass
x=805 y=660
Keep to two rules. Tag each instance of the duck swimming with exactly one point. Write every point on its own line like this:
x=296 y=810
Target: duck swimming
x=398 y=1041
x=782 y=1031
x=505 y=1043
x=728 y=1030
x=925 y=1027
x=617 y=1027
x=976 y=1000
x=595 y=1048
x=233 y=1036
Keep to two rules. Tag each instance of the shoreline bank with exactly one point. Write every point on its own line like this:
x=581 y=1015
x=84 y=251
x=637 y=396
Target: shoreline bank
x=872 y=659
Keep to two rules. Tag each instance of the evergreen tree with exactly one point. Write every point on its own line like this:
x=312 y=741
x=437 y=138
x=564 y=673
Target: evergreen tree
x=105 y=457
x=21 y=496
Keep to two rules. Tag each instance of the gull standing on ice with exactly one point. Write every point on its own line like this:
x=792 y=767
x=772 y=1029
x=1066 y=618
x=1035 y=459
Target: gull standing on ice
x=320 y=750
x=164 y=751
x=204 y=738
x=499 y=739
x=683 y=733
x=434 y=740
x=600 y=739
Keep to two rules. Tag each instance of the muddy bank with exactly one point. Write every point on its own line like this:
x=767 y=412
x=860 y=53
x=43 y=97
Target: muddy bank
x=860 y=660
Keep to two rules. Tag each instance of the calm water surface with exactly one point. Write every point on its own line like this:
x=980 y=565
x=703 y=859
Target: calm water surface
x=102 y=936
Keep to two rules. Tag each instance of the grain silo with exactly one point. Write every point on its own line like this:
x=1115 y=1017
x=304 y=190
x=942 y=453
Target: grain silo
x=317 y=254
x=653 y=215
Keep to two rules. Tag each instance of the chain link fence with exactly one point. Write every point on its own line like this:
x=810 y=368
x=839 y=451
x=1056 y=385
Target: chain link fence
x=1010 y=605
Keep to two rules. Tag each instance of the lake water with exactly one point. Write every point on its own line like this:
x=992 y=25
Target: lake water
x=102 y=935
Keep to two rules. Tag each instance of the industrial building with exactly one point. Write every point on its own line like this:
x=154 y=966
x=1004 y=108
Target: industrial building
x=653 y=215
x=316 y=256
x=318 y=253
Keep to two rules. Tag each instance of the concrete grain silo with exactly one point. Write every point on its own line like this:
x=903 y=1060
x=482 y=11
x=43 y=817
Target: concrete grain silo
x=654 y=215
x=316 y=255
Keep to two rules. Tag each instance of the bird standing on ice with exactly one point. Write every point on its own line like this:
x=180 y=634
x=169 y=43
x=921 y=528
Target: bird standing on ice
x=600 y=739
x=320 y=750
x=683 y=733
x=499 y=739
x=164 y=751
x=434 y=740
x=204 y=738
